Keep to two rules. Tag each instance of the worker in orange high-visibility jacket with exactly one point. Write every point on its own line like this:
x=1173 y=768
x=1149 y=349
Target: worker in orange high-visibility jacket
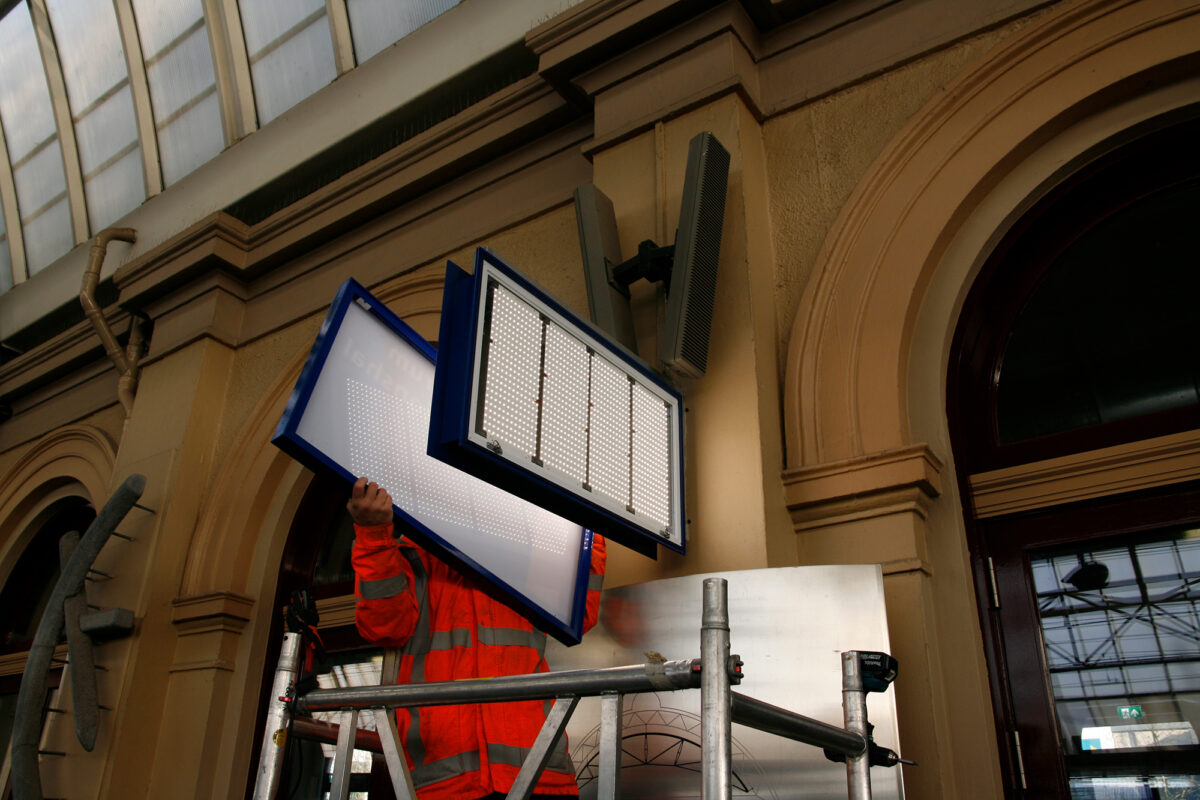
x=447 y=628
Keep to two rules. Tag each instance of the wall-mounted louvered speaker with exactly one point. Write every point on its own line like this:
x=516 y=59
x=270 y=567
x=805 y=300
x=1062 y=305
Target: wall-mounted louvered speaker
x=608 y=300
x=693 y=281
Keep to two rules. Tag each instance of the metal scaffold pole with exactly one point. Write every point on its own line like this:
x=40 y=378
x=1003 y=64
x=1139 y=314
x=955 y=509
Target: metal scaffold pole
x=274 y=743
x=715 y=700
x=713 y=673
x=854 y=710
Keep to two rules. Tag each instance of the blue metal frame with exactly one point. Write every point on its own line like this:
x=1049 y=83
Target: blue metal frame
x=289 y=441
x=450 y=422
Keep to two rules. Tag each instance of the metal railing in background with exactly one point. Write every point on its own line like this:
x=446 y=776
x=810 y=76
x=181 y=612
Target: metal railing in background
x=714 y=673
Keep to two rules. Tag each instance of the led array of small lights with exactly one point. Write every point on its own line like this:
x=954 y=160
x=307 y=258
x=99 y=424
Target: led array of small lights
x=428 y=489
x=551 y=399
x=510 y=413
x=565 y=404
x=608 y=451
x=651 y=456
x=376 y=416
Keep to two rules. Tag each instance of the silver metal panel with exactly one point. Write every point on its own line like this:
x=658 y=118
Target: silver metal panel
x=790 y=626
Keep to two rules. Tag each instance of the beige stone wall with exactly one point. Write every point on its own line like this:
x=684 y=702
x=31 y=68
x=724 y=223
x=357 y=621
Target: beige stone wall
x=819 y=153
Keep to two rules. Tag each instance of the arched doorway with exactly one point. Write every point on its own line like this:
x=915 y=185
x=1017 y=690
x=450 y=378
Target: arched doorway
x=316 y=559
x=1076 y=351
x=23 y=598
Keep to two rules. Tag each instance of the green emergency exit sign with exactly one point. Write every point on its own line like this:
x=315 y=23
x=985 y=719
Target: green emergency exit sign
x=1130 y=712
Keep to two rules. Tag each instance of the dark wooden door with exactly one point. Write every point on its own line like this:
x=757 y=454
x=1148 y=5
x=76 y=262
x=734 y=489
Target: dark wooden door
x=1094 y=637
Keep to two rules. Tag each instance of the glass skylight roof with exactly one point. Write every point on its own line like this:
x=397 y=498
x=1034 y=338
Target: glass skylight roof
x=103 y=105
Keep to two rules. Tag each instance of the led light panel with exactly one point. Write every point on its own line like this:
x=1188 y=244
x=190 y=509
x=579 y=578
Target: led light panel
x=531 y=398
x=362 y=408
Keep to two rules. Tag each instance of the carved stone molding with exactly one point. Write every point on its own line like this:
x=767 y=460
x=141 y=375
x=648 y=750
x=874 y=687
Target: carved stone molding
x=1123 y=468
x=880 y=484
x=206 y=624
x=638 y=62
x=218 y=611
x=475 y=137
x=80 y=455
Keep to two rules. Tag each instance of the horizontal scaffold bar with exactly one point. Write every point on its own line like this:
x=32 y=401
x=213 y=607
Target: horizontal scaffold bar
x=790 y=725
x=665 y=676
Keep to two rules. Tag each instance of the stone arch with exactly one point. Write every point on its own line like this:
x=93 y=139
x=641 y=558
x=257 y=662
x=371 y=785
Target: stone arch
x=244 y=524
x=76 y=460
x=232 y=565
x=866 y=362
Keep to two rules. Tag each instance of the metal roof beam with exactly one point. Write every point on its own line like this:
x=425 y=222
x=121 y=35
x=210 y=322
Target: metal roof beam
x=235 y=90
x=12 y=213
x=139 y=88
x=63 y=120
x=339 y=29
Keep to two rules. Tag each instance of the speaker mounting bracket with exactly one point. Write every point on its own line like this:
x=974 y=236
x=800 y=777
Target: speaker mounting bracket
x=652 y=262
x=687 y=269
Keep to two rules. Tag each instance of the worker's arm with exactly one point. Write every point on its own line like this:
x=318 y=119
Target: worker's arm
x=387 y=608
x=595 y=582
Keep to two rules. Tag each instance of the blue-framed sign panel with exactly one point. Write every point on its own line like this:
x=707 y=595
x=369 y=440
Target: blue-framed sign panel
x=362 y=408
x=533 y=399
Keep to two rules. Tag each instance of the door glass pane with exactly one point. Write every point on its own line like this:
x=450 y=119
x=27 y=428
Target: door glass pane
x=333 y=567
x=1121 y=632
x=1067 y=365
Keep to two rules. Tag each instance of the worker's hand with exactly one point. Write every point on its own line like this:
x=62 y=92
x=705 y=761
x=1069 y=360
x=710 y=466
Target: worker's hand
x=370 y=504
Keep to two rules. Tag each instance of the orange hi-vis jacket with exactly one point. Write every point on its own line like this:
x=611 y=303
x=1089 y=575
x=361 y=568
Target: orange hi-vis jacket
x=447 y=628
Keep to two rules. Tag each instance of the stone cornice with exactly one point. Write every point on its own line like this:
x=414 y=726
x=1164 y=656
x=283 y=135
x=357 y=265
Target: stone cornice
x=219 y=611
x=177 y=276
x=641 y=62
x=66 y=351
x=896 y=481
x=216 y=242
x=1123 y=468
x=451 y=147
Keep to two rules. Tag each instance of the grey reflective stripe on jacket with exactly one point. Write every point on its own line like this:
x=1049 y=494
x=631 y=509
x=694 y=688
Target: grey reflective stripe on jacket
x=417 y=645
x=461 y=764
x=444 y=768
x=383 y=587
x=595 y=582
x=515 y=756
x=513 y=637
x=424 y=641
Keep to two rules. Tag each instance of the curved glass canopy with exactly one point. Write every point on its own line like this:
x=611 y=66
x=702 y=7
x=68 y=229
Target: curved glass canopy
x=105 y=103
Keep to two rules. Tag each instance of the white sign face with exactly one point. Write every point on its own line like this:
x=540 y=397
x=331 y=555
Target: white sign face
x=552 y=399
x=367 y=414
